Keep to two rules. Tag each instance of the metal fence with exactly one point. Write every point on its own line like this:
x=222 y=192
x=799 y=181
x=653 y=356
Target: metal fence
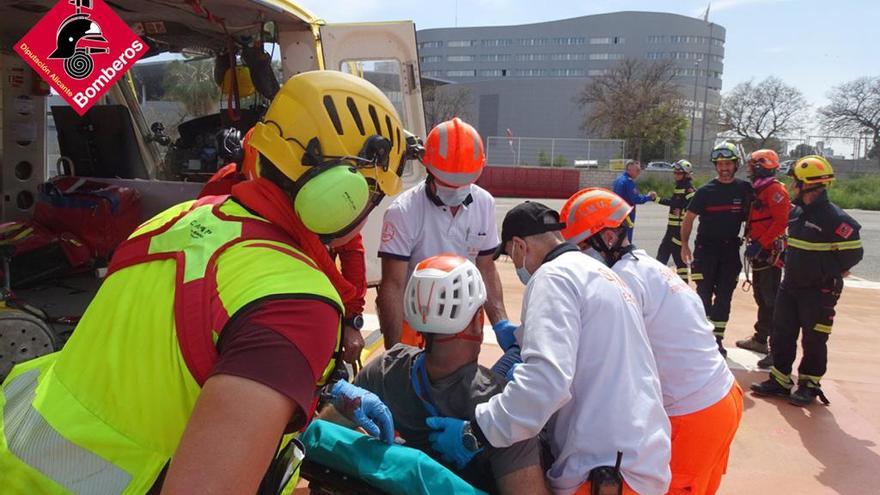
x=553 y=152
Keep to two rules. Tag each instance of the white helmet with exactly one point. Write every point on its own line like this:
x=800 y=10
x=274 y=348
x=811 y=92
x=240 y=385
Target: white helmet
x=443 y=295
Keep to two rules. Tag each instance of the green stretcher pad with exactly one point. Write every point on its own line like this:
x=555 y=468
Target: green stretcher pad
x=391 y=468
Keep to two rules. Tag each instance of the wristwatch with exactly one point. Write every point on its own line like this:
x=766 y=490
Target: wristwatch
x=356 y=322
x=468 y=439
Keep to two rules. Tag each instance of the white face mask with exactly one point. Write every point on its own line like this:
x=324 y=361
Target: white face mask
x=452 y=196
x=522 y=272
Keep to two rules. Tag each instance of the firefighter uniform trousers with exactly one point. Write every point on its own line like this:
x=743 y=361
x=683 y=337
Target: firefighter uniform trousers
x=671 y=243
x=765 y=286
x=716 y=269
x=823 y=243
x=671 y=246
x=810 y=309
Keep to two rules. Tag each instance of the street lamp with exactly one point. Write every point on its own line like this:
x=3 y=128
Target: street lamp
x=694 y=110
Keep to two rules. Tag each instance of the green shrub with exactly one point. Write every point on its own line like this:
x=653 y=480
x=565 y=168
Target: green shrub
x=856 y=192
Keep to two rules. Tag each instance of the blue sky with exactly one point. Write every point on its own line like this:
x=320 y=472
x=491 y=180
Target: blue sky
x=810 y=44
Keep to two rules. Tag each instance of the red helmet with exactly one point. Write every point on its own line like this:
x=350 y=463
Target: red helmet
x=454 y=153
x=590 y=211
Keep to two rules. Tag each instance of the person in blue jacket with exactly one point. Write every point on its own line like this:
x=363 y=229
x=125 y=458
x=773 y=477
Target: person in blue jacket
x=625 y=187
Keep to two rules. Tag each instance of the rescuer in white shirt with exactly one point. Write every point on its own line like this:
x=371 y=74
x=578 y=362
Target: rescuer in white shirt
x=700 y=394
x=588 y=375
x=446 y=214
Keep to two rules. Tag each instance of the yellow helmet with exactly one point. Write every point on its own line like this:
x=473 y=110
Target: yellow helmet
x=813 y=169
x=340 y=141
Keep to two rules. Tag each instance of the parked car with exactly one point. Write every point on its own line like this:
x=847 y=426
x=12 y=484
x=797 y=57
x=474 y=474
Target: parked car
x=785 y=166
x=659 y=166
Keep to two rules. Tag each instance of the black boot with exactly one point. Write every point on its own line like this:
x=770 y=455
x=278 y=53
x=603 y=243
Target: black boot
x=766 y=362
x=805 y=394
x=721 y=348
x=771 y=388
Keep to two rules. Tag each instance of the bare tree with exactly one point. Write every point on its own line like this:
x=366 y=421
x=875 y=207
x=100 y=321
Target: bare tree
x=445 y=102
x=637 y=101
x=763 y=112
x=854 y=109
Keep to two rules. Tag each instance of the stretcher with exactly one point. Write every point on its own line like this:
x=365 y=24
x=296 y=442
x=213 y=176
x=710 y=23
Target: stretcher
x=340 y=460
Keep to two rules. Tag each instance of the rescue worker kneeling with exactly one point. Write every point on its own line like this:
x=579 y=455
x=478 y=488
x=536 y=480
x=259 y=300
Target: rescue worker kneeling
x=700 y=395
x=218 y=322
x=444 y=301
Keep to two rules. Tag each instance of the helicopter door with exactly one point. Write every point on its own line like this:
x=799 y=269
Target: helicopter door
x=384 y=54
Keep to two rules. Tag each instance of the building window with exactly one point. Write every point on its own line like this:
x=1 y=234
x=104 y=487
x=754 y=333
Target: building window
x=505 y=42
x=430 y=44
x=606 y=56
x=717 y=42
x=460 y=43
x=600 y=41
x=568 y=56
x=597 y=72
x=717 y=59
x=532 y=41
x=491 y=73
x=567 y=72
x=531 y=72
x=430 y=59
x=460 y=58
x=657 y=39
x=461 y=73
x=575 y=40
x=657 y=55
x=618 y=40
x=432 y=73
x=495 y=57
x=531 y=57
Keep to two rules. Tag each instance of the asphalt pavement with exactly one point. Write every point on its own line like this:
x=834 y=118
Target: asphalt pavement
x=651 y=225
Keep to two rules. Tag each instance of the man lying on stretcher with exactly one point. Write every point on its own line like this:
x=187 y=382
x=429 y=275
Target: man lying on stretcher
x=443 y=301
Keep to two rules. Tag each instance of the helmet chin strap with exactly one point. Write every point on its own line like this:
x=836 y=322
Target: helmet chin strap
x=613 y=252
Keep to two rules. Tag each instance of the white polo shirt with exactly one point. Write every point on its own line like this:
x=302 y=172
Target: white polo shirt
x=588 y=375
x=417 y=226
x=693 y=375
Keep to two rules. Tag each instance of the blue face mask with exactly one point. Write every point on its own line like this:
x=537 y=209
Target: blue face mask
x=452 y=196
x=523 y=274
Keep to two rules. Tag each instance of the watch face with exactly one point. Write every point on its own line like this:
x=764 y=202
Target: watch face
x=470 y=442
x=357 y=322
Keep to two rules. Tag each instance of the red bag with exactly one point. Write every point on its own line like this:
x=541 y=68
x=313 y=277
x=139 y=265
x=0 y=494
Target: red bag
x=36 y=254
x=102 y=215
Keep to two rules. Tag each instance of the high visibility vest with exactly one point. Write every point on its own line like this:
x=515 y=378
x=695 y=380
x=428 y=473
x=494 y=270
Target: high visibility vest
x=105 y=414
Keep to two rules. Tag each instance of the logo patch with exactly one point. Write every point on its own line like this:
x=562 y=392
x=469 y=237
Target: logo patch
x=81 y=48
x=778 y=197
x=844 y=230
x=388 y=232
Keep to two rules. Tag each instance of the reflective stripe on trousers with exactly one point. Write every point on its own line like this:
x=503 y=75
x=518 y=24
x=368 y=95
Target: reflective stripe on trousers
x=33 y=441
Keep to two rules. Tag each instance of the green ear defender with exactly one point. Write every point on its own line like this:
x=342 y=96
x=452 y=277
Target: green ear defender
x=331 y=199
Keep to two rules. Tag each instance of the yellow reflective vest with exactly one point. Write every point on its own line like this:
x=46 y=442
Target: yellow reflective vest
x=105 y=414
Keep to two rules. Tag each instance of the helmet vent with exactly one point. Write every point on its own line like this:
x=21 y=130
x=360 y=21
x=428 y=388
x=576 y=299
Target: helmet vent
x=355 y=114
x=454 y=311
x=333 y=114
x=375 y=119
x=397 y=132
x=390 y=131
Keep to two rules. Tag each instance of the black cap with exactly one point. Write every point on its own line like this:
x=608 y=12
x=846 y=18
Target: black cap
x=527 y=219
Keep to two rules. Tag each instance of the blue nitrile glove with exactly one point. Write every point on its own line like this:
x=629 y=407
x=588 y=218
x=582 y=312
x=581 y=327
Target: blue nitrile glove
x=448 y=440
x=364 y=408
x=505 y=365
x=753 y=250
x=504 y=334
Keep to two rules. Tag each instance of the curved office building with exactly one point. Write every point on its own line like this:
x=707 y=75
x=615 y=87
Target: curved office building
x=526 y=78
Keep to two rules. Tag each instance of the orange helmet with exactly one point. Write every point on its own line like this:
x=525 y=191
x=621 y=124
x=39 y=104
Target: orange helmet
x=591 y=210
x=454 y=153
x=764 y=163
